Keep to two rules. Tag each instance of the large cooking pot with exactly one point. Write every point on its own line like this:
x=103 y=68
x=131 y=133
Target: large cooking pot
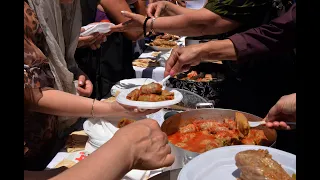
x=172 y=124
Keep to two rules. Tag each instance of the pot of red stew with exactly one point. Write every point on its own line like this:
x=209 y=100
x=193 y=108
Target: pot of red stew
x=193 y=132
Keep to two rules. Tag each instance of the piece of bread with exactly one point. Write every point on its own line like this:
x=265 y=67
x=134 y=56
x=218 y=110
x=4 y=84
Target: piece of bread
x=76 y=141
x=67 y=163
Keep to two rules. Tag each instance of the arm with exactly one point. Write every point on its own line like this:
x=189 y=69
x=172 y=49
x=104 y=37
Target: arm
x=277 y=36
x=146 y=150
x=198 y=23
x=113 y=9
x=112 y=161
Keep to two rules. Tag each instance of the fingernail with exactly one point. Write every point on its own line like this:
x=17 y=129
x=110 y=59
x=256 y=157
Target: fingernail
x=80 y=82
x=123 y=12
x=171 y=73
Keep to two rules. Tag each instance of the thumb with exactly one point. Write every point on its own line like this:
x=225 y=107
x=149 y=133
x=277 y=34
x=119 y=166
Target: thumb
x=129 y=15
x=81 y=80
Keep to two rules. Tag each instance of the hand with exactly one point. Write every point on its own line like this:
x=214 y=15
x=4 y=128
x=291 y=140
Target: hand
x=149 y=145
x=179 y=2
x=129 y=111
x=84 y=86
x=157 y=8
x=93 y=41
x=135 y=24
x=182 y=58
x=283 y=111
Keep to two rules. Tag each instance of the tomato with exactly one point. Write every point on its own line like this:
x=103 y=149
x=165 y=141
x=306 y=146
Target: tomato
x=105 y=20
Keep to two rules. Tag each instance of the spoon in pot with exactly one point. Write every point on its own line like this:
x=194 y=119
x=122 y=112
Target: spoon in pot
x=258 y=123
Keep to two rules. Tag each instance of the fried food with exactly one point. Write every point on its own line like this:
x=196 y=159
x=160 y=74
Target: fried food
x=242 y=124
x=150 y=93
x=144 y=63
x=168 y=37
x=164 y=43
x=258 y=164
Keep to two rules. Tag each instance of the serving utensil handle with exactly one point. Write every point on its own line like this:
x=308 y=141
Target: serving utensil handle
x=204 y=105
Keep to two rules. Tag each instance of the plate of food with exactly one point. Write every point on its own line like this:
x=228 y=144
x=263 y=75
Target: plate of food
x=242 y=162
x=163 y=44
x=145 y=62
x=128 y=84
x=149 y=96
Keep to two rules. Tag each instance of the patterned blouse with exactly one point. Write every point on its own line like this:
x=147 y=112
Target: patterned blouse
x=40 y=130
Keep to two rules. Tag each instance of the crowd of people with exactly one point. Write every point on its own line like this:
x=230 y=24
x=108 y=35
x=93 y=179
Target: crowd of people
x=256 y=43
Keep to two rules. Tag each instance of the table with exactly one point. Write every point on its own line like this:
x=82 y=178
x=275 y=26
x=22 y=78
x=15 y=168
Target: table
x=156 y=73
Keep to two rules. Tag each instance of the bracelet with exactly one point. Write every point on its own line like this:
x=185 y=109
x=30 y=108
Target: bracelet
x=151 y=26
x=145 y=26
x=92 y=111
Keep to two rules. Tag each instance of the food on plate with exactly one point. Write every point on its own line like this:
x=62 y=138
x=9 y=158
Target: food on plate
x=76 y=141
x=195 y=76
x=124 y=121
x=168 y=37
x=150 y=93
x=152 y=88
x=155 y=54
x=203 y=135
x=72 y=159
x=164 y=43
x=258 y=164
x=144 y=63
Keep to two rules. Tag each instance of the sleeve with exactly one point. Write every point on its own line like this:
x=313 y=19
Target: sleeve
x=243 y=11
x=277 y=36
x=36 y=80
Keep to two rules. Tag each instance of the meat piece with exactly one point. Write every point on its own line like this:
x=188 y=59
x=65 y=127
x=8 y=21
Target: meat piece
x=167 y=95
x=133 y=95
x=152 y=88
x=242 y=124
x=258 y=164
x=188 y=128
x=151 y=98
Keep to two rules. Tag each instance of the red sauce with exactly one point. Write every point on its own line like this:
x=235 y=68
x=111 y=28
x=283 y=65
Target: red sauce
x=204 y=139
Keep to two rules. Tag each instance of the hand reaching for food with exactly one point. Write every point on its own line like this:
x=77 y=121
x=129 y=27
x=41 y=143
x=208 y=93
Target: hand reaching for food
x=150 y=147
x=283 y=111
x=182 y=58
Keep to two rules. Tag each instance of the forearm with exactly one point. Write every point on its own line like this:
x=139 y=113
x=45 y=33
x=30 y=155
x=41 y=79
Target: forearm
x=64 y=104
x=178 y=25
x=199 y=23
x=218 y=50
x=42 y=175
x=113 y=9
x=111 y=161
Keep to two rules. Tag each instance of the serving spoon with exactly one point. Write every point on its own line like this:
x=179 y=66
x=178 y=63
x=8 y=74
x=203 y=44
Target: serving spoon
x=258 y=123
x=162 y=82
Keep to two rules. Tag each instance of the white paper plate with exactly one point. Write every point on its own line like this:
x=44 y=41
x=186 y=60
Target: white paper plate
x=122 y=99
x=129 y=83
x=102 y=27
x=220 y=163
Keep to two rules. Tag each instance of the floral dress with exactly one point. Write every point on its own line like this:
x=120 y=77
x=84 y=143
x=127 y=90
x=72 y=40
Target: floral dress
x=40 y=130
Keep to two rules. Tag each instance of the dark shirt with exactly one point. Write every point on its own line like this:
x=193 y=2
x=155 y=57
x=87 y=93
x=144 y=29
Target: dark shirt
x=276 y=37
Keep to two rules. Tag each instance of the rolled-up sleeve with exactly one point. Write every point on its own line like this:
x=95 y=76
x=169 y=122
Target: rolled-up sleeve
x=275 y=37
